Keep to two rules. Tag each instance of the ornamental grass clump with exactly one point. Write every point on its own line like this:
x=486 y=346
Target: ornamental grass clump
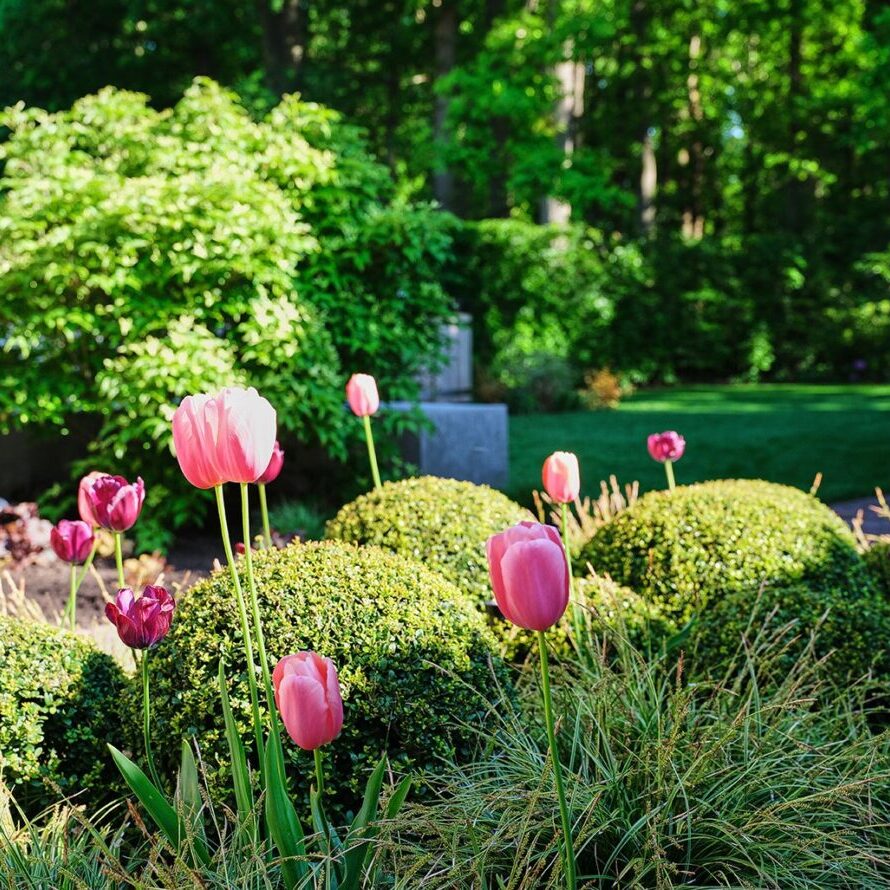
x=670 y=783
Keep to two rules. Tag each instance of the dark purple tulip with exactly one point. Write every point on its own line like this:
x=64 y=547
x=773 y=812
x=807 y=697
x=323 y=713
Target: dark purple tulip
x=144 y=622
x=116 y=503
x=72 y=541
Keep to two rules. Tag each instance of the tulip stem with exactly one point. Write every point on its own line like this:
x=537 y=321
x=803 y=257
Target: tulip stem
x=568 y=847
x=319 y=772
x=146 y=721
x=245 y=626
x=372 y=453
x=264 y=512
x=119 y=560
x=669 y=472
x=89 y=562
x=71 y=607
x=577 y=616
x=254 y=604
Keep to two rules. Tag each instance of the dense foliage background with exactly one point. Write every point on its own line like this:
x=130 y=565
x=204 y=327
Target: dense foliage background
x=723 y=164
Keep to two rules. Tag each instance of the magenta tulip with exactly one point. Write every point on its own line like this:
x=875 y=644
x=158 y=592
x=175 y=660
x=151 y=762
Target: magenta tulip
x=529 y=575
x=361 y=393
x=307 y=693
x=561 y=477
x=228 y=437
x=84 y=506
x=141 y=623
x=665 y=446
x=276 y=462
x=72 y=541
x=116 y=503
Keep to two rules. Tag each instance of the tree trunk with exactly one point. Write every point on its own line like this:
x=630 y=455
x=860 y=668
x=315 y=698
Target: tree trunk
x=693 y=215
x=285 y=39
x=569 y=108
x=648 y=187
x=795 y=189
x=446 y=46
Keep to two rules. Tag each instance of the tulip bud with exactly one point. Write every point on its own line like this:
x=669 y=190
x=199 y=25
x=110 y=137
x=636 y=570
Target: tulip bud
x=361 y=393
x=665 y=446
x=276 y=462
x=144 y=622
x=228 y=437
x=561 y=477
x=307 y=694
x=116 y=503
x=529 y=575
x=84 y=506
x=72 y=541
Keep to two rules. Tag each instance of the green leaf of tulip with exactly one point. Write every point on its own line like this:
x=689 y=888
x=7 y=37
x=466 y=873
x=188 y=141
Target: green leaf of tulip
x=240 y=773
x=281 y=818
x=188 y=795
x=158 y=808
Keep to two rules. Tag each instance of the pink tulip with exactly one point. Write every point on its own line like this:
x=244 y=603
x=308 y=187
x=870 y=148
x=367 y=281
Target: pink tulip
x=116 y=503
x=529 y=574
x=72 y=541
x=307 y=693
x=144 y=622
x=276 y=462
x=228 y=437
x=666 y=446
x=84 y=507
x=361 y=393
x=561 y=476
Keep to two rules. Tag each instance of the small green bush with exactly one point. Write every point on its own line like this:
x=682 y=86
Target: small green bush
x=60 y=703
x=443 y=523
x=685 y=549
x=877 y=558
x=617 y=612
x=415 y=660
x=850 y=626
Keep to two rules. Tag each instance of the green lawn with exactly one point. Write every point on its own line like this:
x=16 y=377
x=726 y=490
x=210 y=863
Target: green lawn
x=784 y=433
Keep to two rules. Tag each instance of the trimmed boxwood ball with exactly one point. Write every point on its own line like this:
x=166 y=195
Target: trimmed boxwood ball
x=687 y=548
x=618 y=612
x=877 y=558
x=851 y=627
x=60 y=704
x=443 y=523
x=415 y=661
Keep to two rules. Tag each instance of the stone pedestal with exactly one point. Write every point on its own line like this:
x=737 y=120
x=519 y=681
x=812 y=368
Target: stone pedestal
x=467 y=441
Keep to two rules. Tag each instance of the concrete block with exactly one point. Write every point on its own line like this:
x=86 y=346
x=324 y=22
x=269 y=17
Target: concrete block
x=468 y=441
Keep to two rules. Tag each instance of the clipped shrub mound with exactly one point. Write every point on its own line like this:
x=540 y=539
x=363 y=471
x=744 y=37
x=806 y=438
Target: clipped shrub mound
x=685 y=549
x=60 y=701
x=618 y=612
x=415 y=659
x=852 y=628
x=443 y=523
x=877 y=558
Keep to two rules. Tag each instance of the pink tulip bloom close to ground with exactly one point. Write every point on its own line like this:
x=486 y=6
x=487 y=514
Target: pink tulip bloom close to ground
x=529 y=574
x=562 y=477
x=665 y=446
x=72 y=541
x=116 y=503
x=84 y=505
x=276 y=462
x=361 y=393
x=227 y=437
x=307 y=694
x=141 y=623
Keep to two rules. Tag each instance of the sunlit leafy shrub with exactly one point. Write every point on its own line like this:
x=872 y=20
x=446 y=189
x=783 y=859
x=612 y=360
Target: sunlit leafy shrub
x=148 y=254
x=60 y=703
